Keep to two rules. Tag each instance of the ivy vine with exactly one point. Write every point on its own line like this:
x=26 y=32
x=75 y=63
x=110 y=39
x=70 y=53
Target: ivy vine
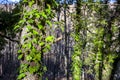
x=35 y=41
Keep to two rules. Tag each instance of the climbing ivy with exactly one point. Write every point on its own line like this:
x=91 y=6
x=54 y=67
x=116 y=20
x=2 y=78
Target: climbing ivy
x=76 y=57
x=93 y=41
x=35 y=41
x=93 y=34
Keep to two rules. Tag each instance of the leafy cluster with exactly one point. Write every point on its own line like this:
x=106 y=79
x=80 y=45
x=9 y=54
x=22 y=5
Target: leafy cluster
x=94 y=31
x=35 y=41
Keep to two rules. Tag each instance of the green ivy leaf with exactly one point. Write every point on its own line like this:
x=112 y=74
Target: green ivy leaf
x=38 y=57
x=44 y=15
x=35 y=32
x=29 y=45
x=49 y=39
x=41 y=43
x=31 y=3
x=21 y=76
x=37 y=15
x=49 y=9
x=34 y=40
x=16 y=27
x=19 y=51
x=28 y=58
x=48 y=47
x=32 y=69
x=29 y=27
x=20 y=56
x=40 y=26
x=45 y=68
x=25 y=1
x=49 y=23
x=30 y=21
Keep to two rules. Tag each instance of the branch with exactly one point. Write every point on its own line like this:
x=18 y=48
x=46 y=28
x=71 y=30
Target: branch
x=58 y=39
x=4 y=36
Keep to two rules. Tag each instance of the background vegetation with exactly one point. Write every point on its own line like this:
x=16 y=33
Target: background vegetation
x=70 y=39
